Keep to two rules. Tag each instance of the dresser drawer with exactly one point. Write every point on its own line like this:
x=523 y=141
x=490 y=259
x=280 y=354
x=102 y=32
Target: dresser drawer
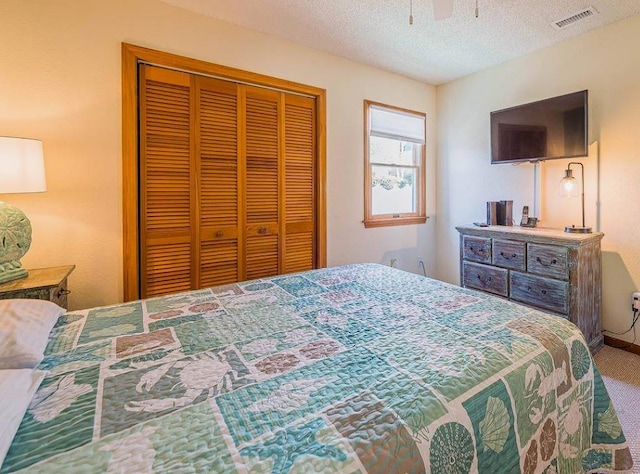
x=509 y=254
x=548 y=260
x=485 y=278
x=477 y=249
x=541 y=292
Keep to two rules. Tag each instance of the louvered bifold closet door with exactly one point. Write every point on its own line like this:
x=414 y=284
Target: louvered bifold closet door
x=220 y=177
x=262 y=154
x=165 y=182
x=299 y=222
x=227 y=187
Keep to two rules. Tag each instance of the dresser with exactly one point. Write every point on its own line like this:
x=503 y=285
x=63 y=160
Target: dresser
x=547 y=269
x=41 y=284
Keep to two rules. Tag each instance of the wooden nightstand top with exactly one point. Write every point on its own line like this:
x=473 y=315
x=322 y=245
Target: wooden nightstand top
x=38 y=278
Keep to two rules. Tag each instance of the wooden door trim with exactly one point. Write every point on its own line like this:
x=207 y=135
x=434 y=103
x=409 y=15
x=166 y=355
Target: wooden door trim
x=132 y=56
x=321 y=177
x=241 y=164
x=183 y=63
x=130 y=205
x=195 y=170
x=282 y=187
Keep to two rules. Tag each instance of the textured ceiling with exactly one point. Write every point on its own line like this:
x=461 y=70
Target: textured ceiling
x=377 y=32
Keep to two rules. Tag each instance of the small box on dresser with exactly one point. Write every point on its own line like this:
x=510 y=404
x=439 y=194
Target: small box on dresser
x=41 y=284
x=546 y=269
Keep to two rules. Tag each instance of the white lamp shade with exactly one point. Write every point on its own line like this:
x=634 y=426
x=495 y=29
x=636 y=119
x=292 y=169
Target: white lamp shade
x=21 y=166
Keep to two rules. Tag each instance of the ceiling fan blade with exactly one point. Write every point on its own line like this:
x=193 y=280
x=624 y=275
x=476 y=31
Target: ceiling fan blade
x=442 y=9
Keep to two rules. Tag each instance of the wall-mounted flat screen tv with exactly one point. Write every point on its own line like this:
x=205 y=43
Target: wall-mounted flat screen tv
x=542 y=130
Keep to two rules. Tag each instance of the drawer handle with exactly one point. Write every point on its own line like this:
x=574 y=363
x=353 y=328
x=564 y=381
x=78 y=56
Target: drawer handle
x=62 y=292
x=485 y=281
x=530 y=290
x=508 y=257
x=552 y=262
x=219 y=234
x=478 y=251
x=262 y=230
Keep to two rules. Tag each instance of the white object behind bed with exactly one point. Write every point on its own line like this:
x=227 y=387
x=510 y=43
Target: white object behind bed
x=17 y=388
x=24 y=331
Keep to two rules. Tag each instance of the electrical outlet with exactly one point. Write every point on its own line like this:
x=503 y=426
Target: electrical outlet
x=635 y=300
x=420 y=262
x=393 y=263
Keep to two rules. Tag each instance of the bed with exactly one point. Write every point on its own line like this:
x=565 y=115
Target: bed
x=360 y=368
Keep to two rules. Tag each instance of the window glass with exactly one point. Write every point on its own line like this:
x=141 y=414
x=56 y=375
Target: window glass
x=393 y=190
x=392 y=152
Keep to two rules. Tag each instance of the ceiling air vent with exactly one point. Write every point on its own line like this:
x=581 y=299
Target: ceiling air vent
x=575 y=18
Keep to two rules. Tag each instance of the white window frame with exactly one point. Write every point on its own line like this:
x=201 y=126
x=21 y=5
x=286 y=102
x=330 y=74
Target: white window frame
x=383 y=220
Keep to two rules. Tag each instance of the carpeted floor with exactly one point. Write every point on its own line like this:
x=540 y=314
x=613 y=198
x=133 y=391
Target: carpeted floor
x=621 y=373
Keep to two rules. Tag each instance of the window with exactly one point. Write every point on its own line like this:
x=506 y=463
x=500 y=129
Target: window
x=394 y=166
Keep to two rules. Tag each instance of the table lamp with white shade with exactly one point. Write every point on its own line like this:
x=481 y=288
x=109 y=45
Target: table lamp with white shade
x=21 y=171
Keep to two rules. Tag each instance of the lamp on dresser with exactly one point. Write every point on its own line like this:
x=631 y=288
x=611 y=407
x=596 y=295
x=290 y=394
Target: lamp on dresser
x=569 y=188
x=21 y=171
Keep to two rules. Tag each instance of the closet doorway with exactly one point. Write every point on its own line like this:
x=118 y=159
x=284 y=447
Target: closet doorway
x=223 y=174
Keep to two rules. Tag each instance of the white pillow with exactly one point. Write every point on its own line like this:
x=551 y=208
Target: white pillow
x=24 y=331
x=16 y=391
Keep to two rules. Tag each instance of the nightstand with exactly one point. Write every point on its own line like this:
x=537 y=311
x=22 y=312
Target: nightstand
x=41 y=284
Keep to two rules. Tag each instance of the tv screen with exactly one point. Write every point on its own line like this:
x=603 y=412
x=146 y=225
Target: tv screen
x=543 y=130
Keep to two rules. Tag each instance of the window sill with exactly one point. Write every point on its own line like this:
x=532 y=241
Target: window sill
x=393 y=221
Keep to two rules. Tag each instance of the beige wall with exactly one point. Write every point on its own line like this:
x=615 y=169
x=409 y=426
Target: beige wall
x=607 y=63
x=60 y=82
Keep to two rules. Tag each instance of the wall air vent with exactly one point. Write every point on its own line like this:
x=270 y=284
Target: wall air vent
x=575 y=18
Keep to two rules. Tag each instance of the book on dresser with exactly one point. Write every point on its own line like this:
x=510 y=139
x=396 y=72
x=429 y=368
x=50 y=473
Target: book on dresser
x=547 y=269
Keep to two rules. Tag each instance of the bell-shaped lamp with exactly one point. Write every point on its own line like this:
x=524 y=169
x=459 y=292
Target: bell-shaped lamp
x=569 y=187
x=21 y=171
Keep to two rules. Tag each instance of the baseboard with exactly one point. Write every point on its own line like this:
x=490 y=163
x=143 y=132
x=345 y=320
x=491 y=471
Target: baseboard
x=620 y=344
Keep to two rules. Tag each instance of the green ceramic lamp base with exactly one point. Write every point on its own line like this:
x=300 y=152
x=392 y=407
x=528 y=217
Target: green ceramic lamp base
x=15 y=240
x=12 y=274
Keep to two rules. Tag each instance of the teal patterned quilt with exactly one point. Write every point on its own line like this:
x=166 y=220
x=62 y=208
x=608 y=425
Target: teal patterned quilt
x=354 y=369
